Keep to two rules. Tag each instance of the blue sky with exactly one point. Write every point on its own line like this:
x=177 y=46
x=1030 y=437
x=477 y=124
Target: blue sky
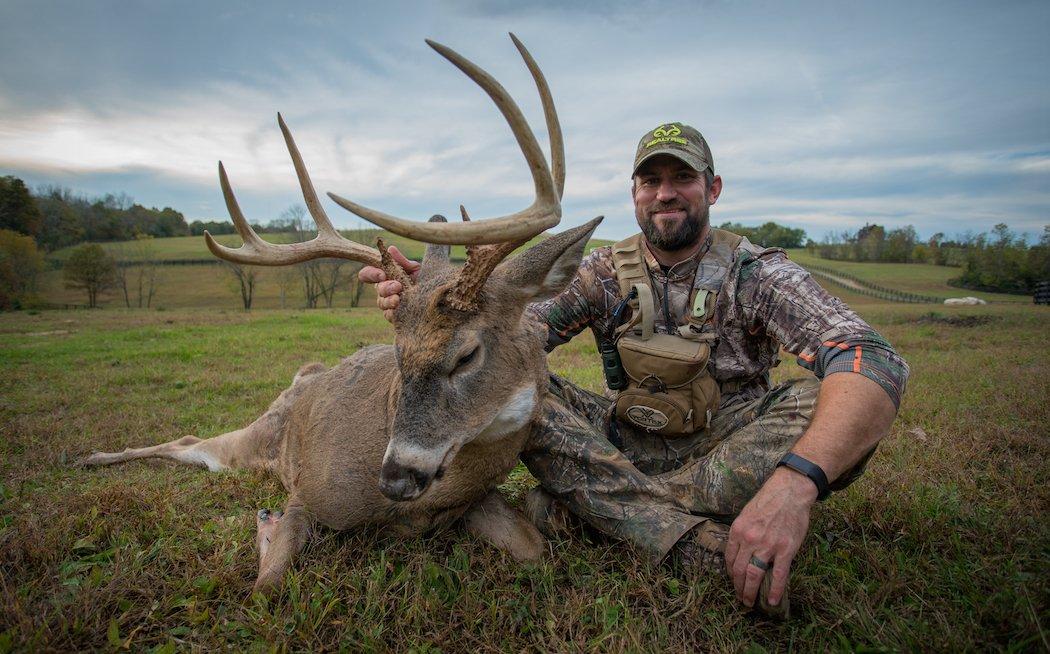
x=821 y=115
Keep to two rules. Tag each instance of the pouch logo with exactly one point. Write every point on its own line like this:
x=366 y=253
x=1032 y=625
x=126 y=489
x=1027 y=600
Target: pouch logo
x=647 y=417
x=667 y=134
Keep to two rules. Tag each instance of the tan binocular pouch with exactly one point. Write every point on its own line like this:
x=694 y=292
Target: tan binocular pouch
x=670 y=391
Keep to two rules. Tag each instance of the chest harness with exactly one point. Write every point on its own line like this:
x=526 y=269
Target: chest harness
x=664 y=382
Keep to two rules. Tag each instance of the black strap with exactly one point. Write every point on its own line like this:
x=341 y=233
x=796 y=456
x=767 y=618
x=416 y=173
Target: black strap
x=810 y=469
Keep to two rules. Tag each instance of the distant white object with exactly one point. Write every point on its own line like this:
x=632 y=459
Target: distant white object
x=964 y=301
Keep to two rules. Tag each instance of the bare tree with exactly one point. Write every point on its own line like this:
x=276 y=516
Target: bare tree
x=286 y=277
x=246 y=277
x=138 y=272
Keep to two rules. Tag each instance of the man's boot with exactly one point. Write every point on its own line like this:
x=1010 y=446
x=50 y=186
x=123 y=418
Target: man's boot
x=547 y=514
x=703 y=548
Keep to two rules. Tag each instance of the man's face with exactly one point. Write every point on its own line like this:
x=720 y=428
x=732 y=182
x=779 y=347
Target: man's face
x=672 y=202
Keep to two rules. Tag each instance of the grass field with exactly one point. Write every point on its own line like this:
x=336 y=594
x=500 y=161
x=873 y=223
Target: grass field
x=214 y=286
x=942 y=545
x=194 y=247
x=211 y=286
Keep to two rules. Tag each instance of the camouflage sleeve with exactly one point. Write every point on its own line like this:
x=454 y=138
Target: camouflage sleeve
x=778 y=296
x=577 y=307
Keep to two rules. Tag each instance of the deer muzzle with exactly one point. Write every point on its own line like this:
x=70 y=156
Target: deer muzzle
x=408 y=471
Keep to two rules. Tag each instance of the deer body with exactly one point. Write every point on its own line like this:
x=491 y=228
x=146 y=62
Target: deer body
x=414 y=436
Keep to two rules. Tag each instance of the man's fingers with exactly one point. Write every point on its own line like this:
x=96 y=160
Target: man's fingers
x=732 y=547
x=752 y=580
x=739 y=572
x=781 y=571
x=409 y=266
x=388 y=303
x=389 y=288
x=389 y=315
x=371 y=275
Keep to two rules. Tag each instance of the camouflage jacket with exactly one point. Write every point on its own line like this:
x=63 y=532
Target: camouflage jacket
x=764 y=302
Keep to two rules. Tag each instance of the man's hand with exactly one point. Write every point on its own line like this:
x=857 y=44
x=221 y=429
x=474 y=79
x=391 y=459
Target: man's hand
x=388 y=292
x=771 y=528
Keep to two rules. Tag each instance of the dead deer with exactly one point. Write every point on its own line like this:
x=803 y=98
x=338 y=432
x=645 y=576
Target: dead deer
x=414 y=436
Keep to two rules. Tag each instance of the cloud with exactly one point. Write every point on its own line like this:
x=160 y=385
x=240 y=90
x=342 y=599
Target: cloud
x=891 y=113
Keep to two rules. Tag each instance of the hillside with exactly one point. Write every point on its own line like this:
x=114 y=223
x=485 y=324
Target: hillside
x=194 y=247
x=921 y=278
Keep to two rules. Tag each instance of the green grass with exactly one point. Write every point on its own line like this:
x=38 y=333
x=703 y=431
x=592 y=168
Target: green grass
x=920 y=278
x=214 y=286
x=942 y=545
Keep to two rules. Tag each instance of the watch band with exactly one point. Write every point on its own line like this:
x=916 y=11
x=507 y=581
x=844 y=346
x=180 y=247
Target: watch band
x=810 y=469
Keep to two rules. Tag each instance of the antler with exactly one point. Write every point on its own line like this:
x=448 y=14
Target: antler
x=462 y=293
x=545 y=211
x=327 y=243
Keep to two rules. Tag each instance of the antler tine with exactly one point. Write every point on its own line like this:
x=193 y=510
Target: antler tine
x=256 y=251
x=253 y=245
x=324 y=226
x=550 y=114
x=545 y=211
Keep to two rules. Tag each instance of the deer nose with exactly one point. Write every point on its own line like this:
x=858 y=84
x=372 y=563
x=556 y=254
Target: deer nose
x=402 y=483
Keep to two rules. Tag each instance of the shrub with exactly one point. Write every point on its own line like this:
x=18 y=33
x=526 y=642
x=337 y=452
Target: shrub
x=20 y=263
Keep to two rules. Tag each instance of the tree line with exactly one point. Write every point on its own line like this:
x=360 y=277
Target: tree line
x=769 y=234
x=1000 y=261
x=50 y=218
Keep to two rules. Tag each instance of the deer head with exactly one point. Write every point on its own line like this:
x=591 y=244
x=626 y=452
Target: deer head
x=471 y=369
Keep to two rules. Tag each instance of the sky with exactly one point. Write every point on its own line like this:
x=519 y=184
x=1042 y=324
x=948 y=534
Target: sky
x=820 y=115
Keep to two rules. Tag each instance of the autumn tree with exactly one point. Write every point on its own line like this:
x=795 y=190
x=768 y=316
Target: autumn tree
x=20 y=263
x=90 y=268
x=18 y=210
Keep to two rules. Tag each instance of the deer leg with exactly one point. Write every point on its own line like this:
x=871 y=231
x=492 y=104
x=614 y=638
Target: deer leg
x=504 y=527
x=251 y=447
x=213 y=453
x=281 y=535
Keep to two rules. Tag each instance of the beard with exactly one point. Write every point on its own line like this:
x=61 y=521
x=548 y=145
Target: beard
x=674 y=236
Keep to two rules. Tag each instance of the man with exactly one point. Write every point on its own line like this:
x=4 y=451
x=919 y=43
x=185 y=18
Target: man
x=766 y=454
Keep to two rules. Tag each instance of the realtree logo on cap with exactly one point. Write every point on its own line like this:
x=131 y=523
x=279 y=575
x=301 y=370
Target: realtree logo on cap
x=667 y=134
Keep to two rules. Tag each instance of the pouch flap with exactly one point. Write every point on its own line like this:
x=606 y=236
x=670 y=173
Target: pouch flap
x=672 y=360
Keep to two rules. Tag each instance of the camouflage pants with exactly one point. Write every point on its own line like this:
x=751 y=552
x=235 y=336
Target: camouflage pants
x=650 y=490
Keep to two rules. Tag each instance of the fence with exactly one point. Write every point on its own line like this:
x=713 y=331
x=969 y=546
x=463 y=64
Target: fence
x=871 y=290
x=1042 y=293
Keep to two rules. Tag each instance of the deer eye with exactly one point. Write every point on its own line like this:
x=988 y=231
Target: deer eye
x=466 y=359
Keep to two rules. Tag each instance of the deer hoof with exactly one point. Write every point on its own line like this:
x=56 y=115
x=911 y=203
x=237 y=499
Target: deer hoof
x=266 y=515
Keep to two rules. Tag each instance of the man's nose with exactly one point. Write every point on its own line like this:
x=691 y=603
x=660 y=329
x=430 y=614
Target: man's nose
x=665 y=191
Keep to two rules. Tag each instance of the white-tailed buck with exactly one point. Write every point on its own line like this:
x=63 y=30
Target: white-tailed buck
x=415 y=435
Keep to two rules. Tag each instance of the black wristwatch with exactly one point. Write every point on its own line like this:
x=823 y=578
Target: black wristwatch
x=810 y=469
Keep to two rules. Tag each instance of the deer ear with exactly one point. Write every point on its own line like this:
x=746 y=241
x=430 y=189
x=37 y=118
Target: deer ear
x=435 y=257
x=545 y=269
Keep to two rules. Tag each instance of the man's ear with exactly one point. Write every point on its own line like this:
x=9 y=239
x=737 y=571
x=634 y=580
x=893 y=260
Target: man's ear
x=545 y=269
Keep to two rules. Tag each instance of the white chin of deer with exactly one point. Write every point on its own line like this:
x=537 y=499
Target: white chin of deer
x=514 y=415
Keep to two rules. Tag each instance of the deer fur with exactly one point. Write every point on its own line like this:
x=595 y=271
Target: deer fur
x=409 y=437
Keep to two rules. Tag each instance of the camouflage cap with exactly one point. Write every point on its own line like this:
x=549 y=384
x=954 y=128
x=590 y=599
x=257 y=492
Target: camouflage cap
x=678 y=140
